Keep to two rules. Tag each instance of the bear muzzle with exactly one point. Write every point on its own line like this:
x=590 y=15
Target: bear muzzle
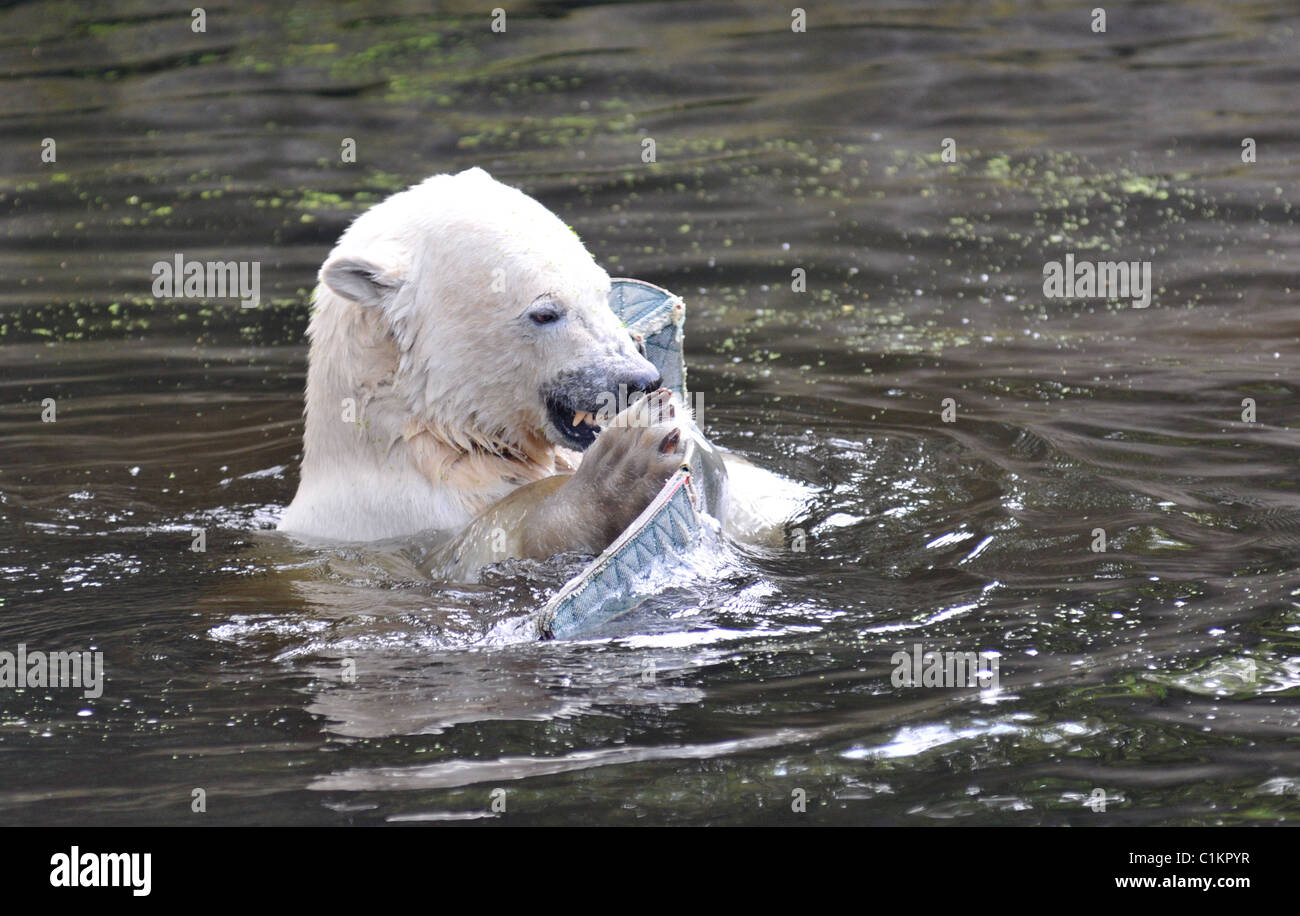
x=579 y=403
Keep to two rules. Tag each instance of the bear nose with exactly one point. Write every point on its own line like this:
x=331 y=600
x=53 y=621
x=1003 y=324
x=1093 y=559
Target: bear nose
x=645 y=381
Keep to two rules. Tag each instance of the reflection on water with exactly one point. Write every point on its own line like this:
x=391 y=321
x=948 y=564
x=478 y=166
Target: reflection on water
x=301 y=686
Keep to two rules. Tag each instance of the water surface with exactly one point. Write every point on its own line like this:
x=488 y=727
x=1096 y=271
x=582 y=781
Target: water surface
x=1164 y=670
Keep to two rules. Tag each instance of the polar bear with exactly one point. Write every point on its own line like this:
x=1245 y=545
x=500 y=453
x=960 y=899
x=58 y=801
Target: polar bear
x=461 y=349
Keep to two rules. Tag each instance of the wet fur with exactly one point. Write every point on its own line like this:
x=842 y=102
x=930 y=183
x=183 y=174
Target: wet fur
x=417 y=318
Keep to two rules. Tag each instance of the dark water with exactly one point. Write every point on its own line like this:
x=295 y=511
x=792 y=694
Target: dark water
x=1164 y=671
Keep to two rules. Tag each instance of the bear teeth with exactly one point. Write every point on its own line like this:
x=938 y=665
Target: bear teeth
x=581 y=416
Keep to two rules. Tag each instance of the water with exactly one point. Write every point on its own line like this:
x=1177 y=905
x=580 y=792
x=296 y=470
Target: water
x=1164 y=670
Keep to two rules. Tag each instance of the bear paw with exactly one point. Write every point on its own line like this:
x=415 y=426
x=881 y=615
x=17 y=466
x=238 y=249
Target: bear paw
x=631 y=459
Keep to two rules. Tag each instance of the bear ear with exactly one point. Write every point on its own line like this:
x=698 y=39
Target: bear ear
x=360 y=279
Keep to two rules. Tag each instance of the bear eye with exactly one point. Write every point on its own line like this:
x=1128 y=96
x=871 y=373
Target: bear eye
x=546 y=314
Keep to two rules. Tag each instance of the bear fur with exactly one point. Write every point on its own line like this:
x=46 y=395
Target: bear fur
x=461 y=347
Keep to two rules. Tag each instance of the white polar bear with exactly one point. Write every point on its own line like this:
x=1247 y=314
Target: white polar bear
x=461 y=347
x=463 y=357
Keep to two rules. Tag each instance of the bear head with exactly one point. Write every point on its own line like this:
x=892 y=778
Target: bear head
x=499 y=317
